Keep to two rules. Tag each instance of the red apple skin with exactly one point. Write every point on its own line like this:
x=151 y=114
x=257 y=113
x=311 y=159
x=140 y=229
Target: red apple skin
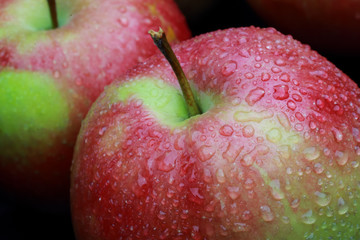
x=329 y=26
x=100 y=42
x=287 y=166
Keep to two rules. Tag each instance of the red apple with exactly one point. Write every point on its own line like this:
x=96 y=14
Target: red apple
x=49 y=77
x=274 y=154
x=331 y=26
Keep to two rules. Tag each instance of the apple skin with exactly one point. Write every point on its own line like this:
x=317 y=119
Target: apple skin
x=49 y=78
x=275 y=152
x=328 y=26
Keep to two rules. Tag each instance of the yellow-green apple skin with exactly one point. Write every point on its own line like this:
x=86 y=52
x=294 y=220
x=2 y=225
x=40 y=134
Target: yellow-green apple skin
x=49 y=78
x=274 y=154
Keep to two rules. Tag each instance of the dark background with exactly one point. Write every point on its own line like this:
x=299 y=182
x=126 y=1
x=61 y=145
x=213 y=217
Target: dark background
x=18 y=221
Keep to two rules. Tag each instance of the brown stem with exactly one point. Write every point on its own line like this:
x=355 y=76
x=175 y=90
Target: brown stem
x=53 y=13
x=162 y=43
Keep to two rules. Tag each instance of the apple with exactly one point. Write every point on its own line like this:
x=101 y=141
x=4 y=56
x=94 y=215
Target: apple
x=274 y=153
x=49 y=76
x=329 y=26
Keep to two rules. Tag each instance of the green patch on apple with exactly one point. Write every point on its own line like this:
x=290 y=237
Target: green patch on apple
x=32 y=110
x=165 y=101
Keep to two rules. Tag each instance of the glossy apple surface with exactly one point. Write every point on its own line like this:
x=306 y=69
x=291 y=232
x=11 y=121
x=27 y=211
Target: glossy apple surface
x=329 y=26
x=49 y=78
x=274 y=154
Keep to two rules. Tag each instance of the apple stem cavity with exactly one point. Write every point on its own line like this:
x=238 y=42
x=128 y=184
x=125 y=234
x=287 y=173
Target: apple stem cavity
x=53 y=13
x=162 y=43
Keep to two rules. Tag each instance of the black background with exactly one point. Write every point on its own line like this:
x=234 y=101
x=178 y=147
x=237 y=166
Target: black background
x=18 y=221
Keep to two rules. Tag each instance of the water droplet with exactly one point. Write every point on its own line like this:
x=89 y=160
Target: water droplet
x=308 y=217
x=318 y=168
x=322 y=199
x=248 y=131
x=280 y=62
x=295 y=203
x=281 y=92
x=284 y=120
x=342 y=206
x=233 y=192
x=249 y=184
x=161 y=215
x=337 y=134
x=296 y=97
x=265 y=77
x=165 y=163
x=274 y=135
x=220 y=176
x=247 y=116
x=232 y=152
x=311 y=153
x=266 y=213
x=249 y=158
x=196 y=196
x=249 y=75
x=229 y=68
x=299 y=116
x=320 y=103
x=276 y=191
x=341 y=157
x=255 y=95
x=241 y=227
x=291 y=105
x=123 y=21
x=275 y=69
x=205 y=153
x=285 y=77
x=226 y=130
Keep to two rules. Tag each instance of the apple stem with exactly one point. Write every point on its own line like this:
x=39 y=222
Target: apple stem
x=162 y=43
x=53 y=13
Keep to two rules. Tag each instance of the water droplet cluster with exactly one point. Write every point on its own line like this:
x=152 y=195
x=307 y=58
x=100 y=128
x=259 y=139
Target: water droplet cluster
x=277 y=153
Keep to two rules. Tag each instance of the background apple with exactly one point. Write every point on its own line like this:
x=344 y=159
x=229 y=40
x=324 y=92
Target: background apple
x=49 y=77
x=329 y=26
x=275 y=152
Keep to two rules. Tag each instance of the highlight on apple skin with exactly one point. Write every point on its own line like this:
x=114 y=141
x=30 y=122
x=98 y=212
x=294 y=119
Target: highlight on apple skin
x=275 y=152
x=49 y=78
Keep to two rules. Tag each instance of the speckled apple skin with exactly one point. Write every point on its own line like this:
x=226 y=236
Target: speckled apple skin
x=275 y=157
x=97 y=41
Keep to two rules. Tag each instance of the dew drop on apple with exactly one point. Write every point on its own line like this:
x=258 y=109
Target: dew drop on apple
x=337 y=134
x=308 y=217
x=265 y=77
x=229 y=68
x=266 y=213
x=220 y=176
x=274 y=135
x=276 y=191
x=318 y=168
x=248 y=131
x=255 y=95
x=341 y=157
x=295 y=203
x=205 y=153
x=291 y=105
x=285 y=77
x=281 y=92
x=226 y=130
x=322 y=198
x=311 y=153
x=342 y=206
